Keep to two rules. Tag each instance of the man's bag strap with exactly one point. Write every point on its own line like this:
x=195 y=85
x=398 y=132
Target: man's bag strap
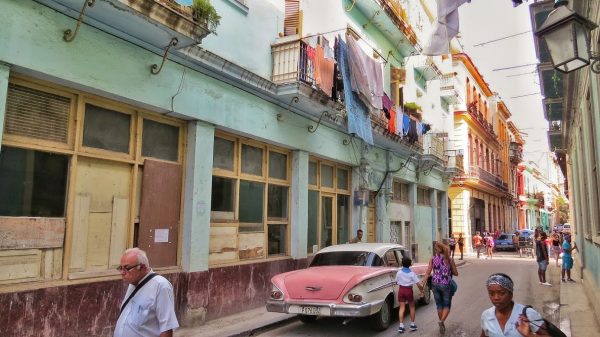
x=139 y=286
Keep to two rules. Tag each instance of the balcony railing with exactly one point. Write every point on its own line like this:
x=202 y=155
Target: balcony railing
x=516 y=152
x=456 y=162
x=434 y=145
x=477 y=172
x=291 y=62
x=478 y=116
x=450 y=88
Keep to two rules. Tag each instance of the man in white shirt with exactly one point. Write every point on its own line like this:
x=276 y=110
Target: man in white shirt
x=150 y=312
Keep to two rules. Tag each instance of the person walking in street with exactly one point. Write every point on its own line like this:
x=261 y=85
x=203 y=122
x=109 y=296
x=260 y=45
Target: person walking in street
x=461 y=244
x=148 y=309
x=452 y=244
x=505 y=318
x=477 y=242
x=556 y=246
x=567 y=258
x=443 y=269
x=358 y=237
x=542 y=257
x=405 y=279
x=489 y=246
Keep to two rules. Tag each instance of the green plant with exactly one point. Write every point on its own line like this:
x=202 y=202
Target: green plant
x=412 y=106
x=204 y=11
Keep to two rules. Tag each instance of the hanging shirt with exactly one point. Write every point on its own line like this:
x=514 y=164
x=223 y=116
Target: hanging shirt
x=419 y=128
x=392 y=120
x=387 y=105
x=323 y=71
x=405 y=124
x=399 y=118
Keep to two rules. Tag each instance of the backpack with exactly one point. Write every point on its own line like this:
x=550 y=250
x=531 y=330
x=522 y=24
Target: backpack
x=550 y=328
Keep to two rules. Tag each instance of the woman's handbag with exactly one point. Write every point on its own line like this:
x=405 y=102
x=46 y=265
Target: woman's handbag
x=550 y=328
x=453 y=287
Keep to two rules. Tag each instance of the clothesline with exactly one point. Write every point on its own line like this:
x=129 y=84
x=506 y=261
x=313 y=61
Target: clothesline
x=347 y=29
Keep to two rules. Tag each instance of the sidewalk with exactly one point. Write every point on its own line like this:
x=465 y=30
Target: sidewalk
x=246 y=323
x=577 y=317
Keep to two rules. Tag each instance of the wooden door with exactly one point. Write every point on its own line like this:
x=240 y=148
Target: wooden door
x=327 y=219
x=160 y=208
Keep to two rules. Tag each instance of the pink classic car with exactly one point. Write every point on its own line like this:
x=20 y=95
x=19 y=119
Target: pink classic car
x=350 y=280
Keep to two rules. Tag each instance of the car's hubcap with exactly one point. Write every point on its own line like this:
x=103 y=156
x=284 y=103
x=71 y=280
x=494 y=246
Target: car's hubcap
x=385 y=313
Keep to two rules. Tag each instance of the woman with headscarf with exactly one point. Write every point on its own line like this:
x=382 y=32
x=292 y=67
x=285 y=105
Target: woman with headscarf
x=505 y=318
x=443 y=269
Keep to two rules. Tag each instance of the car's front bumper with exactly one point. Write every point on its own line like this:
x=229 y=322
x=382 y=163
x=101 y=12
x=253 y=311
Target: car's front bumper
x=326 y=309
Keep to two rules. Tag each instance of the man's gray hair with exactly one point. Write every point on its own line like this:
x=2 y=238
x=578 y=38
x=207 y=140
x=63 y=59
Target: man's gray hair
x=142 y=258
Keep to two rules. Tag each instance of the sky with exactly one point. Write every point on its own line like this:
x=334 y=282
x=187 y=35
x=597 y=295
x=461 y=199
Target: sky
x=486 y=20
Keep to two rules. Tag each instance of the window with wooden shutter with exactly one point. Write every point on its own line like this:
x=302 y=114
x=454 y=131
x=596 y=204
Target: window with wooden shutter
x=37 y=114
x=291 y=22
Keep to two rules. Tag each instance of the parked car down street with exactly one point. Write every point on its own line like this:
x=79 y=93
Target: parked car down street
x=505 y=242
x=348 y=280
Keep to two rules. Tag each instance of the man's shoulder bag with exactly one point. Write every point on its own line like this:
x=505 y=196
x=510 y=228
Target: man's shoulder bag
x=139 y=286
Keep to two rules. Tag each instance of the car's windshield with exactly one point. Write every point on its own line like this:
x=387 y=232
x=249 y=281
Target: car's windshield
x=346 y=259
x=504 y=237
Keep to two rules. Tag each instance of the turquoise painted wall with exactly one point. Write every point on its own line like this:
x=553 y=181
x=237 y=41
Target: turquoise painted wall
x=423 y=221
x=102 y=64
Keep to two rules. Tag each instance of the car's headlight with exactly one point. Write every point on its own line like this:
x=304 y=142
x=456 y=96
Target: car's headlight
x=354 y=297
x=276 y=293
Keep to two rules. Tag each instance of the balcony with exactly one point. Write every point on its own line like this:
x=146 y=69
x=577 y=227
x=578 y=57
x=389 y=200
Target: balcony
x=427 y=68
x=483 y=176
x=434 y=146
x=516 y=152
x=477 y=116
x=451 y=89
x=152 y=24
x=553 y=108
x=455 y=164
x=390 y=18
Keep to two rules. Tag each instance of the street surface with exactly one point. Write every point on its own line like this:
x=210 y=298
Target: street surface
x=468 y=303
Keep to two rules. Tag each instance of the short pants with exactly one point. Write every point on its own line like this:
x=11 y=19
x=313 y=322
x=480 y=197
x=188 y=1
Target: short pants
x=442 y=293
x=567 y=262
x=543 y=265
x=405 y=294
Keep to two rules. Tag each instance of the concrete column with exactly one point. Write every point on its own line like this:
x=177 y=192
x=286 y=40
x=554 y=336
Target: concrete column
x=434 y=216
x=444 y=205
x=4 y=73
x=197 y=199
x=299 y=205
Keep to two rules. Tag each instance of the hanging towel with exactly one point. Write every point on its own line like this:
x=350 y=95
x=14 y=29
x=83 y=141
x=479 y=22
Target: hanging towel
x=323 y=71
x=392 y=120
x=366 y=76
x=444 y=29
x=399 y=120
x=387 y=105
x=359 y=122
x=412 y=131
x=405 y=124
x=419 y=128
x=327 y=50
x=426 y=128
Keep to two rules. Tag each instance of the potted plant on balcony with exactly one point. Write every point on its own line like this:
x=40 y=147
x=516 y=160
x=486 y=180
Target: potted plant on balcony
x=413 y=109
x=204 y=11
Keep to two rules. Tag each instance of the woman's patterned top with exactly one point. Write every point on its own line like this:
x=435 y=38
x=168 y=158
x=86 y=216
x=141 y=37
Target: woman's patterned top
x=442 y=272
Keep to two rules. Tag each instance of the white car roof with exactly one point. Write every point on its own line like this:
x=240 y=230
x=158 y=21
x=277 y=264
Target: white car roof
x=377 y=248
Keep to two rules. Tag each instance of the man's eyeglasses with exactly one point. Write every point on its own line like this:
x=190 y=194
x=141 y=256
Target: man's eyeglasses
x=126 y=268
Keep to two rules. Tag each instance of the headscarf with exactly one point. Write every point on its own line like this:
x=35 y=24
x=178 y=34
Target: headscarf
x=500 y=279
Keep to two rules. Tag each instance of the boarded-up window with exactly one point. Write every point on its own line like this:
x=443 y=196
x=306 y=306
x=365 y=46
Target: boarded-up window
x=37 y=114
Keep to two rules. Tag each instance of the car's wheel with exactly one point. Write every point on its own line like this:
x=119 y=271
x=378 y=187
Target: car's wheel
x=427 y=295
x=382 y=320
x=307 y=318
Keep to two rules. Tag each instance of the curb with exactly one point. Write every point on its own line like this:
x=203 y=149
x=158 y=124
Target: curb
x=266 y=327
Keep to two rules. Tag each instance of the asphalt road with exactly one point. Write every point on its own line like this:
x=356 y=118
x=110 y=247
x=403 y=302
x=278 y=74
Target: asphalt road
x=469 y=302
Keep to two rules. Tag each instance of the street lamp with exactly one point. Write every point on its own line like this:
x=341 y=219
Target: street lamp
x=567 y=35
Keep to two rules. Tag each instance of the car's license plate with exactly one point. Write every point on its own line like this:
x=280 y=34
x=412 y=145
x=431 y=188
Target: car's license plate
x=504 y=244
x=310 y=310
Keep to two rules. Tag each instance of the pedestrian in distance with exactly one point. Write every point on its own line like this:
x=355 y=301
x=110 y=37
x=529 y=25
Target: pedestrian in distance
x=542 y=257
x=489 y=245
x=443 y=269
x=556 y=246
x=461 y=244
x=148 y=308
x=452 y=244
x=477 y=242
x=505 y=318
x=405 y=279
x=358 y=237
x=567 y=258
